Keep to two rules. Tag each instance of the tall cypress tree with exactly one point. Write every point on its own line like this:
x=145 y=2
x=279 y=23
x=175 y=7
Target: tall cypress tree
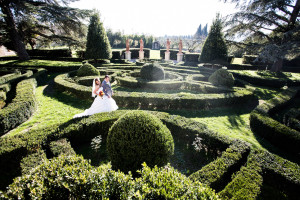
x=199 y=33
x=214 y=47
x=97 y=46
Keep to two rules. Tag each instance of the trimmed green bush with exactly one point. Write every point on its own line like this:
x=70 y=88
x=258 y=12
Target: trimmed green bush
x=214 y=47
x=21 y=107
x=152 y=72
x=61 y=146
x=32 y=160
x=141 y=136
x=116 y=54
x=167 y=183
x=97 y=45
x=50 y=53
x=277 y=133
x=222 y=77
x=73 y=177
x=192 y=57
x=87 y=70
x=218 y=173
x=246 y=183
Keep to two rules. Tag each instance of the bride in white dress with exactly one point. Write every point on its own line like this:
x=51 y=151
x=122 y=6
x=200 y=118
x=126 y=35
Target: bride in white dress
x=102 y=103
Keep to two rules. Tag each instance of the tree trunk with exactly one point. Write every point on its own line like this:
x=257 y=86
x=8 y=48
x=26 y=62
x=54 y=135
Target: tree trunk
x=295 y=13
x=277 y=66
x=13 y=32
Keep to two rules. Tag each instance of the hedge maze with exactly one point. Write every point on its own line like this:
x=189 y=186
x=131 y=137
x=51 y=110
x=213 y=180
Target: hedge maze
x=223 y=167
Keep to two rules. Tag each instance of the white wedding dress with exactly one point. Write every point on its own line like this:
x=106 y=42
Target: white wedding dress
x=100 y=104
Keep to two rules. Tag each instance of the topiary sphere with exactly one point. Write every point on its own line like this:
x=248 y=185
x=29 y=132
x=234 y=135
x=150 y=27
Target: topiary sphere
x=87 y=70
x=139 y=137
x=152 y=72
x=222 y=77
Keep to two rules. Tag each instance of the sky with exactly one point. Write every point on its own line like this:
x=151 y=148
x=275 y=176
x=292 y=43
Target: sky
x=156 y=17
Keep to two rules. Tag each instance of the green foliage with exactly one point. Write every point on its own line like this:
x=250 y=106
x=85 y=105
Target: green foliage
x=31 y=161
x=67 y=177
x=152 y=72
x=141 y=136
x=191 y=57
x=222 y=77
x=87 y=70
x=167 y=183
x=21 y=107
x=246 y=183
x=277 y=133
x=214 y=47
x=217 y=173
x=51 y=53
x=61 y=146
x=97 y=46
x=72 y=177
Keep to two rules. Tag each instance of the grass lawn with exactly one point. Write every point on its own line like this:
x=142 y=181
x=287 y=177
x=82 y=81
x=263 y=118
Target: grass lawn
x=53 y=107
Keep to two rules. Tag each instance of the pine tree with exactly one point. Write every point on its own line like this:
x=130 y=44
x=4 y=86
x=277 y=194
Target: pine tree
x=97 y=46
x=272 y=26
x=214 y=47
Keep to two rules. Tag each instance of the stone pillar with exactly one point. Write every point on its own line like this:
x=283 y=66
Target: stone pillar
x=128 y=55
x=141 y=55
x=179 y=57
x=167 y=55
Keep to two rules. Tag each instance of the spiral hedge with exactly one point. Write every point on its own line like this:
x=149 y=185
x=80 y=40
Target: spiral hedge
x=253 y=170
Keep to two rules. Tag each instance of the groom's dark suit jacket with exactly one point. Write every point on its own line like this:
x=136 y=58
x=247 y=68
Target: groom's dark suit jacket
x=107 y=88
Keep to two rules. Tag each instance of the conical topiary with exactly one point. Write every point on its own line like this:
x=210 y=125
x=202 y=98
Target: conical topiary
x=97 y=46
x=214 y=47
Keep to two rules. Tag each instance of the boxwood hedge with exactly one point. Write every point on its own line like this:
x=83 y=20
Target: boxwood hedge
x=21 y=107
x=277 y=133
x=249 y=174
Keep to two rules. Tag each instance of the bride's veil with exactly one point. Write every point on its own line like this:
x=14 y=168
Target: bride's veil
x=94 y=86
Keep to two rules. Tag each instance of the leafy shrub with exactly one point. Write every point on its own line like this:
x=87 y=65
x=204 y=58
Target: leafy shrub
x=87 y=70
x=32 y=160
x=192 y=57
x=222 y=77
x=21 y=108
x=97 y=45
x=214 y=46
x=116 y=54
x=152 y=72
x=61 y=146
x=139 y=137
x=50 y=53
x=217 y=173
x=168 y=183
x=72 y=177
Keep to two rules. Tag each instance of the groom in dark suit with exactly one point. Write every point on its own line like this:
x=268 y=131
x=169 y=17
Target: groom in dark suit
x=107 y=87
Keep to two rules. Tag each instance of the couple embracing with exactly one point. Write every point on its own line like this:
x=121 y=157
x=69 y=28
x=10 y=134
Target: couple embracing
x=103 y=101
